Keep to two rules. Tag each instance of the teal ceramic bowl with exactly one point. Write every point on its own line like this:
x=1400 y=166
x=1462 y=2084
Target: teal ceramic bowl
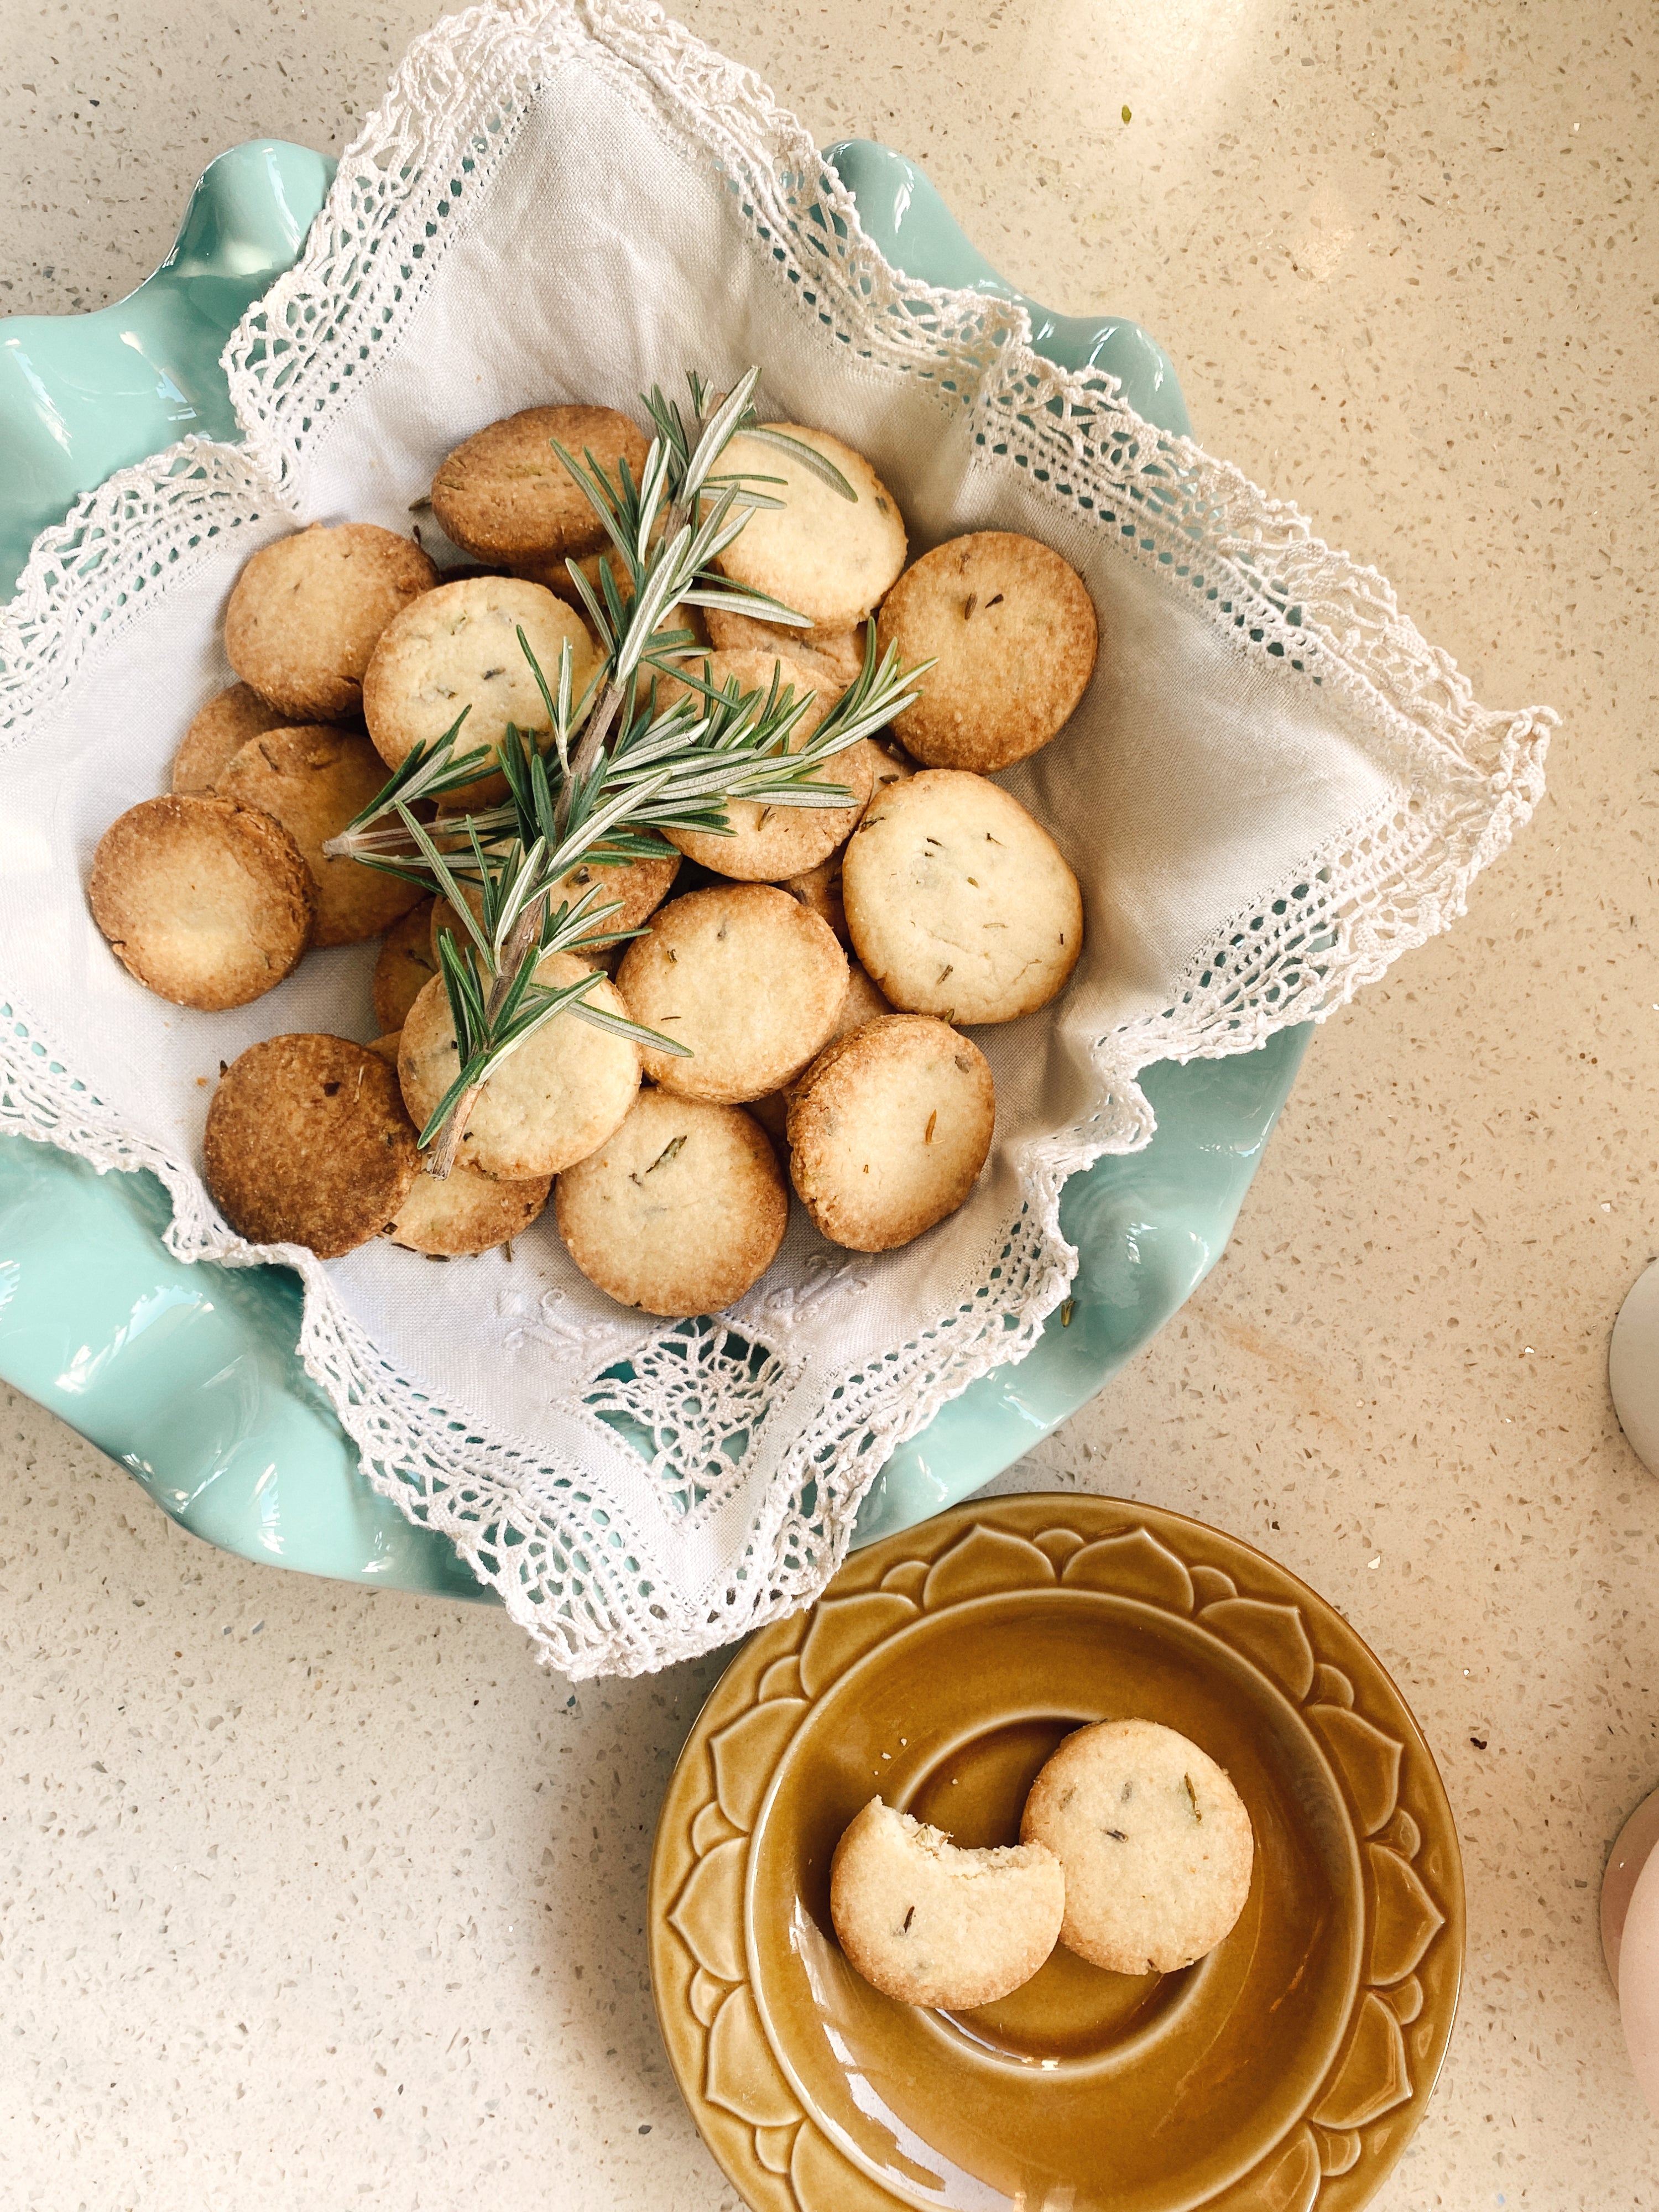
x=188 y=1374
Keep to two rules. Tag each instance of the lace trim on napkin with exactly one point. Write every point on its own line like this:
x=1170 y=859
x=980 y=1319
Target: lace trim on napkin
x=693 y=1399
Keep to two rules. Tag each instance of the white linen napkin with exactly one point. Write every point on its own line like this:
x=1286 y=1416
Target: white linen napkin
x=1273 y=788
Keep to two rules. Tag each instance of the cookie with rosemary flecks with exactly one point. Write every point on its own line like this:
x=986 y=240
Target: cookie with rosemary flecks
x=308 y=610
x=680 y=1210
x=746 y=978
x=889 y=1129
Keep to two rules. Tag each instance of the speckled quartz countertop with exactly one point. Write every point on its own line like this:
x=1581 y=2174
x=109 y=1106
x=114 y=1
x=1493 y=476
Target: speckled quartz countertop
x=314 y=1897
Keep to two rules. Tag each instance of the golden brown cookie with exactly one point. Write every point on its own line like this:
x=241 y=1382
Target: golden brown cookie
x=828 y=558
x=834 y=659
x=820 y=888
x=314 y=781
x=506 y=496
x=680 y=1210
x=308 y=1143
x=218 y=732
x=559 y=1094
x=1155 y=1841
x=1010 y=630
x=307 y=613
x=458 y=648
x=746 y=977
x=387 y=1045
x=206 y=903
x=929 y=1923
x=405 y=967
x=465 y=1213
x=863 y=1003
x=772 y=1112
x=958 y=902
x=889 y=1129
x=767 y=844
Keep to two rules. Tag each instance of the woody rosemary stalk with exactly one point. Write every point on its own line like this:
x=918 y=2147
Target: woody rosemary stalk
x=619 y=768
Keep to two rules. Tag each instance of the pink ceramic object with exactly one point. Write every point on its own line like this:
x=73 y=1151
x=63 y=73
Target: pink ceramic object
x=1630 y=1939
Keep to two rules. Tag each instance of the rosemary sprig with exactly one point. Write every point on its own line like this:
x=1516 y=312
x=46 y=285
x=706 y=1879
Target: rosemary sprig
x=619 y=766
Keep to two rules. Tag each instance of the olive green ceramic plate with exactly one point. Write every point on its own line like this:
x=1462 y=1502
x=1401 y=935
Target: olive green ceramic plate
x=187 y=1375
x=1284 y=2072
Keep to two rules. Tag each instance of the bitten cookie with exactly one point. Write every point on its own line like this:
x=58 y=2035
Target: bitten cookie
x=218 y=733
x=206 y=903
x=308 y=1143
x=463 y=1213
x=1010 y=630
x=1155 y=1841
x=458 y=648
x=307 y=613
x=549 y=1104
x=746 y=977
x=314 y=781
x=767 y=844
x=505 y=495
x=405 y=967
x=679 y=1211
x=932 y=1924
x=889 y=1129
x=828 y=558
x=834 y=659
x=958 y=903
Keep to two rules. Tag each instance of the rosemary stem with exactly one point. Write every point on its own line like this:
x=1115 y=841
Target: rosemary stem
x=520 y=946
x=606 y=707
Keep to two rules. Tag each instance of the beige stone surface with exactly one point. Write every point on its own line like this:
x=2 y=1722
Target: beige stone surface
x=314 y=1897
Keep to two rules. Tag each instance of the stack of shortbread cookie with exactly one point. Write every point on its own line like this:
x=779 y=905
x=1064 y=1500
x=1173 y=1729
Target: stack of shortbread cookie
x=820 y=964
x=1135 y=1852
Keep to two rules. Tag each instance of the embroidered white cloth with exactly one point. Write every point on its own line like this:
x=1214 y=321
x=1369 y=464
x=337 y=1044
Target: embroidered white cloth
x=1273 y=787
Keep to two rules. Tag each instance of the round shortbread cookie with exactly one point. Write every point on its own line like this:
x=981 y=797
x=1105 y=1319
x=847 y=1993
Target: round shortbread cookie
x=405 y=967
x=218 y=733
x=834 y=659
x=505 y=495
x=206 y=903
x=1011 y=630
x=889 y=1129
x=863 y=1003
x=1155 y=1841
x=458 y=648
x=457 y=1216
x=819 y=889
x=930 y=1924
x=828 y=558
x=308 y=1143
x=680 y=1210
x=562 y=1092
x=746 y=977
x=767 y=844
x=307 y=613
x=958 y=903
x=314 y=781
